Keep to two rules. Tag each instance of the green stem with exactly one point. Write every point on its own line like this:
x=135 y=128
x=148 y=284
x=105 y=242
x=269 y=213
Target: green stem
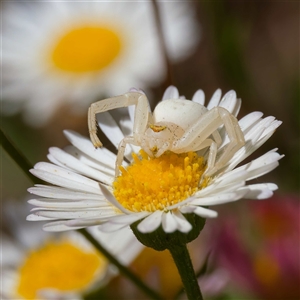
x=17 y=156
x=186 y=271
x=124 y=270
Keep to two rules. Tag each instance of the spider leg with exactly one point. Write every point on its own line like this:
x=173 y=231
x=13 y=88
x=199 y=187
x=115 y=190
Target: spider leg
x=207 y=125
x=217 y=137
x=236 y=140
x=121 y=151
x=131 y=98
x=213 y=149
x=166 y=146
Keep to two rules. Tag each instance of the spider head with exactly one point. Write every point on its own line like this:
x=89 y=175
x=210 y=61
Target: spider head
x=159 y=137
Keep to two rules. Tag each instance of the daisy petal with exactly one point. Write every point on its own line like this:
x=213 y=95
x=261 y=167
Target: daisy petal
x=79 y=167
x=249 y=120
x=205 y=212
x=66 y=203
x=199 y=97
x=74 y=214
x=58 y=226
x=182 y=224
x=219 y=198
x=89 y=161
x=34 y=217
x=151 y=222
x=229 y=101
x=110 y=128
x=169 y=223
x=64 y=178
x=102 y=155
x=109 y=196
x=260 y=191
x=171 y=93
x=215 y=99
x=121 y=221
x=62 y=193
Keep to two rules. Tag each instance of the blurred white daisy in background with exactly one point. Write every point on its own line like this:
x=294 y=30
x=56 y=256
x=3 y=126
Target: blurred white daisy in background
x=158 y=191
x=40 y=265
x=56 y=53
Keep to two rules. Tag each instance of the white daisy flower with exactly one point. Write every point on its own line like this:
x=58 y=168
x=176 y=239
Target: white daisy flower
x=59 y=266
x=72 y=52
x=158 y=191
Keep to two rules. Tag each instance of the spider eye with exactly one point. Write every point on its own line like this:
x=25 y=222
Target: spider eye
x=157 y=128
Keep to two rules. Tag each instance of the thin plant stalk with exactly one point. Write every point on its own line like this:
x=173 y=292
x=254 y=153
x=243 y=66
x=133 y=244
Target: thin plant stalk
x=186 y=271
x=17 y=156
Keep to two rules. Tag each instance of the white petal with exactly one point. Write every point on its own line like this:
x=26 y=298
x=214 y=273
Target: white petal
x=199 y=97
x=58 y=226
x=151 y=223
x=260 y=191
x=56 y=162
x=62 y=193
x=219 y=188
x=121 y=221
x=74 y=214
x=187 y=209
x=61 y=177
x=272 y=127
x=249 y=120
x=219 y=198
x=109 y=196
x=205 y=212
x=255 y=132
x=34 y=217
x=171 y=93
x=73 y=163
x=85 y=145
x=110 y=128
x=215 y=99
x=182 y=224
x=237 y=107
x=89 y=161
x=66 y=203
x=260 y=166
x=229 y=101
x=236 y=175
x=169 y=224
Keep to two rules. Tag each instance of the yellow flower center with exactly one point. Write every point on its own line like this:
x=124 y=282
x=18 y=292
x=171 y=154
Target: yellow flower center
x=58 y=265
x=151 y=184
x=86 y=49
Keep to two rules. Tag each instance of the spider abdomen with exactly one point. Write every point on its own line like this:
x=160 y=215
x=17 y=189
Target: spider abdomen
x=183 y=113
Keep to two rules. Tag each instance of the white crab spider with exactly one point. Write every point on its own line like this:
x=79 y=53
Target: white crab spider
x=177 y=125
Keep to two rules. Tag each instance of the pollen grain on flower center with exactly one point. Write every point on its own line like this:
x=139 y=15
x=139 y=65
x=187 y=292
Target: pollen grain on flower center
x=58 y=265
x=151 y=184
x=86 y=49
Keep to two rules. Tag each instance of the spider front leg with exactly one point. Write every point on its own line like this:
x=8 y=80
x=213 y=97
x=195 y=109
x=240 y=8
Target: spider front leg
x=131 y=98
x=206 y=126
x=235 y=136
x=121 y=151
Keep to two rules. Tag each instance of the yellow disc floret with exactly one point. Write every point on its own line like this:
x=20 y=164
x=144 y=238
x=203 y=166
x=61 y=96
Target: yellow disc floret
x=58 y=265
x=86 y=49
x=151 y=184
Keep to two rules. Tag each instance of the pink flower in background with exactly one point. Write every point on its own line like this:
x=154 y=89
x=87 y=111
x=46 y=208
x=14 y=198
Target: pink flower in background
x=269 y=268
